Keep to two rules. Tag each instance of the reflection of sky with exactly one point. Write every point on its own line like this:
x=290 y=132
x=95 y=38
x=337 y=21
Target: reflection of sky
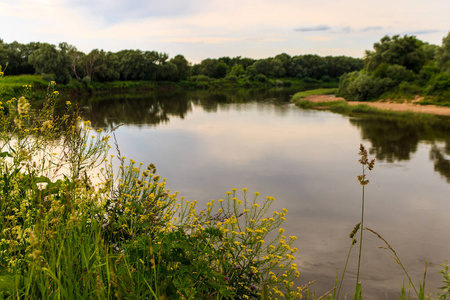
x=308 y=161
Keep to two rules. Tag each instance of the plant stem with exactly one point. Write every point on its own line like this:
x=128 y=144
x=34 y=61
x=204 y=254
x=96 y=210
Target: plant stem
x=361 y=236
x=343 y=273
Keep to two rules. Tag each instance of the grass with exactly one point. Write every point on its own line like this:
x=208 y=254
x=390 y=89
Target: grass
x=303 y=94
x=11 y=86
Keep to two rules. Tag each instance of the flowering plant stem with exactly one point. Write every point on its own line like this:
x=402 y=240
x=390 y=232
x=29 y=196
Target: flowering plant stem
x=366 y=164
x=361 y=235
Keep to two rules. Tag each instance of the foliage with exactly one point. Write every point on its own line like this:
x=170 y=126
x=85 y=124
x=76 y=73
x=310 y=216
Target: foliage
x=398 y=68
x=446 y=287
x=443 y=54
x=50 y=60
x=405 y=51
x=65 y=62
x=362 y=86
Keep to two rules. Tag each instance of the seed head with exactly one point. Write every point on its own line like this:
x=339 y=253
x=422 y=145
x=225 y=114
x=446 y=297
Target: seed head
x=355 y=230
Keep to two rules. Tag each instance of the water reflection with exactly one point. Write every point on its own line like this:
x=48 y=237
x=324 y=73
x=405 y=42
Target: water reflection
x=136 y=109
x=441 y=159
x=153 y=108
x=396 y=138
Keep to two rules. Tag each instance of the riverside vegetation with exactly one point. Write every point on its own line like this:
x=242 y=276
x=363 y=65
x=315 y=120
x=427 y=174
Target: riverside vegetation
x=74 y=226
x=397 y=68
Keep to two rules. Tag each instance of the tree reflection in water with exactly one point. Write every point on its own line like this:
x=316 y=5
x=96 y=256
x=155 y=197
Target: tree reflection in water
x=396 y=138
x=441 y=159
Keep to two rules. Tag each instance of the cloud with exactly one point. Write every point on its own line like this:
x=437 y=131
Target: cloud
x=318 y=38
x=371 y=28
x=204 y=40
x=116 y=11
x=425 y=31
x=313 y=28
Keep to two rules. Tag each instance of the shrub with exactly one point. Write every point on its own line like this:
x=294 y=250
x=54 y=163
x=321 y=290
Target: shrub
x=360 y=86
x=261 y=78
x=232 y=78
x=48 y=77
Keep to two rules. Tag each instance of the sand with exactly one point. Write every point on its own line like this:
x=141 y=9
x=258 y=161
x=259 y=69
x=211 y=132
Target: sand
x=405 y=106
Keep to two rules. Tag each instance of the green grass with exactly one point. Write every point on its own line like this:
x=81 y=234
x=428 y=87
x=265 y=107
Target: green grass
x=10 y=86
x=304 y=94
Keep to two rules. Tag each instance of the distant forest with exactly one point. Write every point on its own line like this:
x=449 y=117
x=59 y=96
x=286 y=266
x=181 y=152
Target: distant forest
x=397 y=67
x=64 y=62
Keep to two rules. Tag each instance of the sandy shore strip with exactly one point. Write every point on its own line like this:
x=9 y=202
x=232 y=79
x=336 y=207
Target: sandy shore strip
x=406 y=106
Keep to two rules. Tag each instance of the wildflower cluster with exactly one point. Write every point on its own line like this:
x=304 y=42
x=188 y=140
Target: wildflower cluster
x=241 y=236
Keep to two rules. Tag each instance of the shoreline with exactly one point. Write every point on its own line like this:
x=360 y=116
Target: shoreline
x=384 y=105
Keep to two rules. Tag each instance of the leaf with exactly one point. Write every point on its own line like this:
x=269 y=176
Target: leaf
x=5 y=154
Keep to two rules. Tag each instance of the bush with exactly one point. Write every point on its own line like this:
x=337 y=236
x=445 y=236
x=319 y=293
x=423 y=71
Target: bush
x=232 y=78
x=360 y=86
x=261 y=78
x=48 y=77
x=200 y=78
x=439 y=83
x=409 y=89
x=86 y=80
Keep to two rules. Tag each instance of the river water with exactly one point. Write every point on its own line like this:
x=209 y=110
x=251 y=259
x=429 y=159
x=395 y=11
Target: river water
x=206 y=143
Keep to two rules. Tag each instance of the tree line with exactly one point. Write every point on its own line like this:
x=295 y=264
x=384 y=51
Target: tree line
x=401 y=66
x=64 y=62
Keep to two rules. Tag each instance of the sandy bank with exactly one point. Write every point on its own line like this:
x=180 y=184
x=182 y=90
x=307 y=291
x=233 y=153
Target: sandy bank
x=406 y=106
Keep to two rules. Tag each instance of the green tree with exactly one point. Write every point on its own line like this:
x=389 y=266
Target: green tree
x=183 y=67
x=443 y=54
x=405 y=51
x=168 y=71
x=16 y=55
x=262 y=66
x=50 y=60
x=277 y=68
x=131 y=64
x=237 y=70
x=220 y=70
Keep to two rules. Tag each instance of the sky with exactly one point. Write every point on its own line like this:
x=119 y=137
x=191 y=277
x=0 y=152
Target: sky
x=200 y=29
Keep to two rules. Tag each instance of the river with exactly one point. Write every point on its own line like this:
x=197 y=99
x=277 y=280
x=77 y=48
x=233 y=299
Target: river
x=207 y=142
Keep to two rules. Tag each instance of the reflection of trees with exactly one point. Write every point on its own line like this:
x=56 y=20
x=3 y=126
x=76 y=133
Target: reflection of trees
x=441 y=162
x=210 y=100
x=391 y=139
x=152 y=108
x=148 y=108
x=395 y=138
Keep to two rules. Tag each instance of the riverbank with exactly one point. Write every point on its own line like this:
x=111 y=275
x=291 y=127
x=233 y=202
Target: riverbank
x=325 y=99
x=386 y=105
